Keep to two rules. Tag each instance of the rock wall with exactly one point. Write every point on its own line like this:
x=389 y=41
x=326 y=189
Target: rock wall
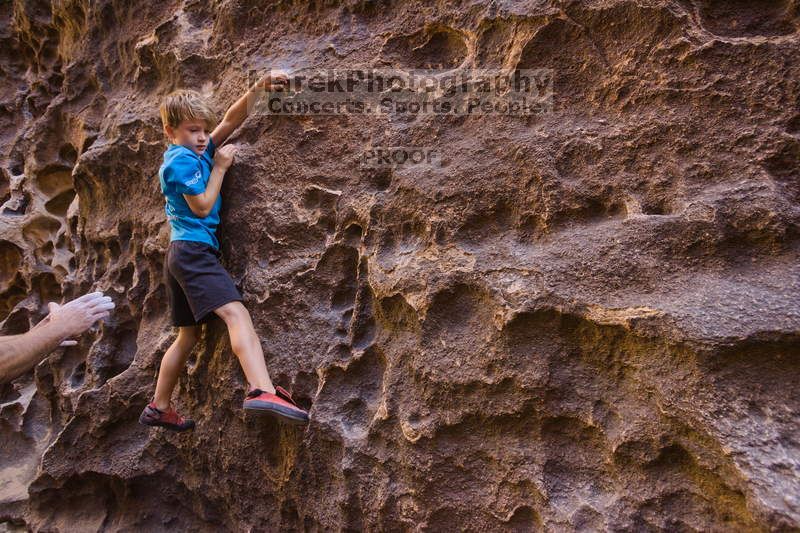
x=584 y=320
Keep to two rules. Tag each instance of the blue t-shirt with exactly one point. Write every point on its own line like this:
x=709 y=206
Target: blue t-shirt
x=185 y=172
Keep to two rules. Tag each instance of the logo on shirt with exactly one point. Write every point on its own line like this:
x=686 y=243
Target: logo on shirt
x=194 y=180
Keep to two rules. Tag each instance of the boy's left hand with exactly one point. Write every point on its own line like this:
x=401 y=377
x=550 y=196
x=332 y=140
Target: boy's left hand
x=276 y=80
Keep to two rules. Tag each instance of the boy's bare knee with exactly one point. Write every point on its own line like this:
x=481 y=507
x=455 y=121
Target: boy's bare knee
x=232 y=312
x=189 y=334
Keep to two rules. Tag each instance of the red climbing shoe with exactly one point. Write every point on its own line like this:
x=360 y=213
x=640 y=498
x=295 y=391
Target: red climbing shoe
x=279 y=404
x=170 y=419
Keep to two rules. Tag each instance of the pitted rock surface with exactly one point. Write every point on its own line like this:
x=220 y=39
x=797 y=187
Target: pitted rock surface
x=584 y=320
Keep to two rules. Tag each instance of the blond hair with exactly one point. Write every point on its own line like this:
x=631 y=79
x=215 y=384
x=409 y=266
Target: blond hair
x=186 y=104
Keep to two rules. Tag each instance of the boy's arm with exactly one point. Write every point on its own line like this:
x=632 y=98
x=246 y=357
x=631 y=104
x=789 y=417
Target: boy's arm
x=201 y=204
x=238 y=111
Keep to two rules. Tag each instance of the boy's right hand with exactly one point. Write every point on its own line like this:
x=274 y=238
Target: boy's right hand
x=223 y=157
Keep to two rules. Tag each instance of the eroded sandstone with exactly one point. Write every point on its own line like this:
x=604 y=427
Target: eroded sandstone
x=586 y=320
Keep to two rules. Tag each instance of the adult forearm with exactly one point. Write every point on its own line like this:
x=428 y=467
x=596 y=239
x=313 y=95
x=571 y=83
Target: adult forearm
x=20 y=353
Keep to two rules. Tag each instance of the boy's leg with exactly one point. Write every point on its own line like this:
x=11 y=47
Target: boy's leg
x=158 y=412
x=173 y=363
x=210 y=290
x=246 y=345
x=262 y=395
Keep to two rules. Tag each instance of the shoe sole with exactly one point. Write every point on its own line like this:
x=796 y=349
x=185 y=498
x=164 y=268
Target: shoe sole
x=277 y=411
x=165 y=425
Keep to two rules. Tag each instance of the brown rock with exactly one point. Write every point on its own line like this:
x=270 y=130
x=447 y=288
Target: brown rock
x=584 y=320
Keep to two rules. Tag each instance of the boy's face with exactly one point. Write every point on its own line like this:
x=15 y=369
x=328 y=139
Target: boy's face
x=192 y=134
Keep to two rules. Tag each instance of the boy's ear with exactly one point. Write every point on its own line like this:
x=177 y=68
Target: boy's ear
x=169 y=131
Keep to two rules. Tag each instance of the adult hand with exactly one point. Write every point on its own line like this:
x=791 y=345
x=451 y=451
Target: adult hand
x=54 y=307
x=75 y=317
x=21 y=353
x=224 y=156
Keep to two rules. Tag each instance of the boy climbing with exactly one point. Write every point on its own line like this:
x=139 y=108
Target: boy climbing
x=198 y=286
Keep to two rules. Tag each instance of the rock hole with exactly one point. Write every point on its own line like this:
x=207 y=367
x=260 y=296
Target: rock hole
x=564 y=46
x=380 y=179
x=16 y=204
x=125 y=277
x=47 y=287
x=352 y=235
x=45 y=253
x=524 y=519
x=747 y=18
x=60 y=204
x=344 y=324
x=494 y=43
x=672 y=457
x=10 y=261
x=120 y=358
x=431 y=48
x=78 y=376
x=784 y=167
x=8 y=393
x=338 y=269
x=68 y=154
x=41 y=230
x=660 y=206
x=88 y=143
x=577 y=159
x=487 y=222
x=395 y=313
x=793 y=126
x=55 y=182
x=363 y=332
x=114 y=249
